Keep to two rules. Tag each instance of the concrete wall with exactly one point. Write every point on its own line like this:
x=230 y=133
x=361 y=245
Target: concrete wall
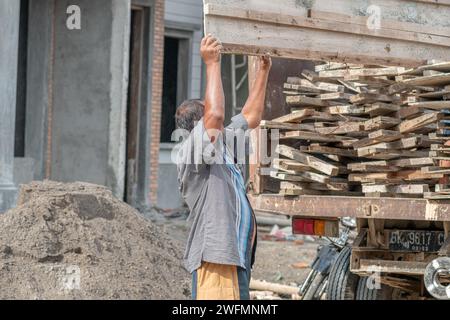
x=88 y=91
x=83 y=94
x=9 y=43
x=186 y=16
x=39 y=38
x=169 y=196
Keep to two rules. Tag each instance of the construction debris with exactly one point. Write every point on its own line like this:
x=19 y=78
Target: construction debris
x=373 y=131
x=76 y=241
x=273 y=287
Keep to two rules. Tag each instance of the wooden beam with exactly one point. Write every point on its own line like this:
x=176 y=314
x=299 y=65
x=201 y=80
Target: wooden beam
x=285 y=30
x=324 y=24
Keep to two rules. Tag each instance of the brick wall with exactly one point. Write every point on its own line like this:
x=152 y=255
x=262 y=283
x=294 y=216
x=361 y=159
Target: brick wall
x=157 y=87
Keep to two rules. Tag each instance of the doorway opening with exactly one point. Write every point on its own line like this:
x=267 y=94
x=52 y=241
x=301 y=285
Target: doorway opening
x=21 y=97
x=135 y=97
x=177 y=57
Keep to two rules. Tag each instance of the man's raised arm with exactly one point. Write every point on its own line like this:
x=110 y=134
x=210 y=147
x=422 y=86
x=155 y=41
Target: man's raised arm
x=214 y=97
x=254 y=107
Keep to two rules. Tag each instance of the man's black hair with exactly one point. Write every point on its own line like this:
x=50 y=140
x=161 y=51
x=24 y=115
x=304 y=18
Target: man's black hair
x=188 y=113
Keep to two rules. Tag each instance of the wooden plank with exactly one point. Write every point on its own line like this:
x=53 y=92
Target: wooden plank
x=378 y=136
x=290 y=165
x=381 y=153
x=380 y=122
x=295 y=116
x=304 y=135
x=441 y=66
x=301 y=176
x=363 y=98
x=390 y=71
x=408 y=112
x=313 y=76
x=346 y=110
x=336 y=66
x=435 y=196
x=307 y=159
x=314 y=186
x=381 y=109
x=330 y=87
x=301 y=85
x=328 y=150
x=335 y=96
x=386 y=23
x=249 y=27
x=405 y=143
x=342 y=128
x=363 y=167
x=412 y=175
x=266 y=124
x=332 y=186
x=370 y=177
x=407 y=188
x=384 y=165
x=298 y=192
x=435 y=170
x=433 y=80
x=419 y=122
x=297 y=83
x=323 y=24
x=435 y=105
x=398 y=267
x=417 y=162
x=297 y=101
x=392 y=177
x=349 y=85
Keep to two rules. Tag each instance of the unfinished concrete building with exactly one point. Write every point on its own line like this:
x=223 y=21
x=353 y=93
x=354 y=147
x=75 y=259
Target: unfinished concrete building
x=81 y=92
x=89 y=91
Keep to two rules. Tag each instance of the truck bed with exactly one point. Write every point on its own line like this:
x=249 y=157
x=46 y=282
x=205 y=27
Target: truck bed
x=358 y=207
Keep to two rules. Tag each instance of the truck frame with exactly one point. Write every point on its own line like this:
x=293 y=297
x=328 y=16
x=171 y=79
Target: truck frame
x=378 y=219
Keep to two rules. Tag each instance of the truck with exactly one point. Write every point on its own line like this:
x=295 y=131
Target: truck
x=404 y=241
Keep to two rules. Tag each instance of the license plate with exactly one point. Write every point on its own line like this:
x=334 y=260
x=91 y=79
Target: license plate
x=422 y=241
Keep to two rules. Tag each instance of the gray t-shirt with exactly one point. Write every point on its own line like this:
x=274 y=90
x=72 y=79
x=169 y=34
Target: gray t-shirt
x=207 y=187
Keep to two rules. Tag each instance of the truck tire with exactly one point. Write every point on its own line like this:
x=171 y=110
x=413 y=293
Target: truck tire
x=311 y=293
x=363 y=291
x=342 y=283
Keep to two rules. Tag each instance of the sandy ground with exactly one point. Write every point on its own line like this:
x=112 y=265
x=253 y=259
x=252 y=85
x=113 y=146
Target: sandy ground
x=76 y=241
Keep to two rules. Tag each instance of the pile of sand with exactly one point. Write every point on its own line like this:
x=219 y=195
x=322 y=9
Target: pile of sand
x=76 y=241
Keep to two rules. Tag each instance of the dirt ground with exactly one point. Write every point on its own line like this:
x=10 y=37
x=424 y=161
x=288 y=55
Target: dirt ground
x=283 y=262
x=76 y=241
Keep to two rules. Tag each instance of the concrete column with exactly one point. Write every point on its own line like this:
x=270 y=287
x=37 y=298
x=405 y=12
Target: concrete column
x=9 y=43
x=90 y=82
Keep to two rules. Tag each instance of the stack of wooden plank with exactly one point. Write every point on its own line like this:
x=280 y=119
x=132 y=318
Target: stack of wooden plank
x=365 y=130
